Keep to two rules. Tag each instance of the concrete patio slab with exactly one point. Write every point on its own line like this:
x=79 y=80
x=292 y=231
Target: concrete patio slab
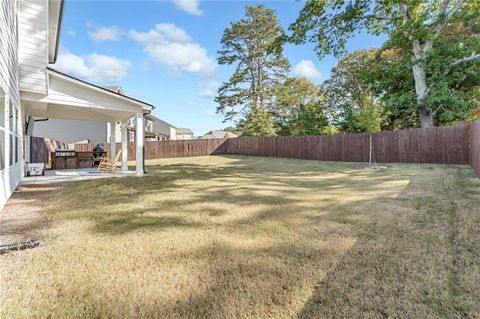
x=71 y=175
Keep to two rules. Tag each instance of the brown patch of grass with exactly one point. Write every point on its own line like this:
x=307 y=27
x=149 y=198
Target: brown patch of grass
x=256 y=237
x=22 y=217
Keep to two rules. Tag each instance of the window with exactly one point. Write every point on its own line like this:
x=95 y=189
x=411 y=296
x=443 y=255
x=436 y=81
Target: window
x=148 y=126
x=11 y=119
x=2 y=130
x=10 y=134
x=17 y=148
x=17 y=132
x=11 y=147
x=2 y=108
x=2 y=149
x=11 y=126
x=16 y=126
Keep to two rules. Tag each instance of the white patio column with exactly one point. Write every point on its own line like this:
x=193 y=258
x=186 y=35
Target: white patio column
x=139 y=142
x=113 y=148
x=124 y=146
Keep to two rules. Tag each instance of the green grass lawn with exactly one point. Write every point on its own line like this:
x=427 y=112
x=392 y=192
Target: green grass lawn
x=246 y=237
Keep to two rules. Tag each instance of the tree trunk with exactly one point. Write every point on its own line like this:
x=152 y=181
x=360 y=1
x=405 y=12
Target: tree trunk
x=425 y=113
x=426 y=118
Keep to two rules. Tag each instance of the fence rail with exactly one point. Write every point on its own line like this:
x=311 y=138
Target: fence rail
x=456 y=144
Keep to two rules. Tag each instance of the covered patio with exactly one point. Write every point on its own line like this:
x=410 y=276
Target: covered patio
x=74 y=99
x=71 y=175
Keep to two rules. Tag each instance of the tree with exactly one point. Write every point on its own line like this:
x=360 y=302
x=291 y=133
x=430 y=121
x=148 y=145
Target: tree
x=352 y=101
x=300 y=108
x=258 y=71
x=451 y=97
x=258 y=122
x=412 y=25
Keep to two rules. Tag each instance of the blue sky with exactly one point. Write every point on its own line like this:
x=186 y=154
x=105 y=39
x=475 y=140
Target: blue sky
x=164 y=52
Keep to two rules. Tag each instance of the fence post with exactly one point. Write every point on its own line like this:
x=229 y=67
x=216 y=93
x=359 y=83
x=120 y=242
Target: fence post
x=370 y=150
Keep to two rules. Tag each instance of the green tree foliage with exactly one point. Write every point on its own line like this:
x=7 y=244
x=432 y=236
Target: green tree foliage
x=351 y=100
x=257 y=122
x=451 y=91
x=300 y=108
x=416 y=27
x=258 y=71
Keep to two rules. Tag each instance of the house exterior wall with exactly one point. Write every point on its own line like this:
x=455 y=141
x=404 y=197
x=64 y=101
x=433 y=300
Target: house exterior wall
x=184 y=136
x=11 y=113
x=162 y=127
x=33 y=51
x=71 y=131
x=173 y=133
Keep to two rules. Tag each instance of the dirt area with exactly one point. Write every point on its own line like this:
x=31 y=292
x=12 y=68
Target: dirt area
x=21 y=218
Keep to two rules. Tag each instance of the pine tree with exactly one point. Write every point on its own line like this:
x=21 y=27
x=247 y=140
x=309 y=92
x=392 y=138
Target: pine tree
x=249 y=93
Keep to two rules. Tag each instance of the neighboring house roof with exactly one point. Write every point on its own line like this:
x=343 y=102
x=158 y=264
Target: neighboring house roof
x=145 y=105
x=183 y=130
x=116 y=89
x=55 y=14
x=160 y=126
x=156 y=119
x=148 y=133
x=218 y=134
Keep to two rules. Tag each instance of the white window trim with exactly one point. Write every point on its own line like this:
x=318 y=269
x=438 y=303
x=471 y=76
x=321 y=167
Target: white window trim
x=16 y=133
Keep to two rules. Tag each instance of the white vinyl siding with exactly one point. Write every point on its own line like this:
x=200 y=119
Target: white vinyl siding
x=11 y=116
x=9 y=69
x=33 y=51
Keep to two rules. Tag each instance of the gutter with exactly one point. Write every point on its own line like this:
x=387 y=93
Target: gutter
x=59 y=31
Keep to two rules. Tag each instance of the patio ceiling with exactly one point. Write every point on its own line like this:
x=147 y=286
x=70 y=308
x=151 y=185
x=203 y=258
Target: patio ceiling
x=71 y=98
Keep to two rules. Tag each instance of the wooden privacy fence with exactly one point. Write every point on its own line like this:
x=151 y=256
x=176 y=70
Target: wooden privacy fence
x=447 y=144
x=171 y=149
x=41 y=148
x=475 y=146
x=456 y=144
x=164 y=149
x=347 y=147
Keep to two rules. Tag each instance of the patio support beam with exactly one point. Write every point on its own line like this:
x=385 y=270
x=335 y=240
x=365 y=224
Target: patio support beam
x=113 y=131
x=124 y=129
x=139 y=137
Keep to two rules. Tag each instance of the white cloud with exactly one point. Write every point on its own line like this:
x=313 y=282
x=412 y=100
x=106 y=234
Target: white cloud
x=173 y=48
x=71 y=33
x=307 y=69
x=161 y=33
x=212 y=85
x=105 y=34
x=209 y=89
x=189 y=6
x=192 y=103
x=206 y=94
x=93 y=67
x=210 y=113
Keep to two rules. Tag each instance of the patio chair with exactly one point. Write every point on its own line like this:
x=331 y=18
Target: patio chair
x=108 y=165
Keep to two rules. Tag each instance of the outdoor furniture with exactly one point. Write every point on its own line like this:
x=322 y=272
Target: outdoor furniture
x=84 y=160
x=64 y=159
x=107 y=165
x=98 y=153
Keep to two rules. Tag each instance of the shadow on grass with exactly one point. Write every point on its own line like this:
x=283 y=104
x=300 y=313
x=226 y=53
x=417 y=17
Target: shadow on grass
x=397 y=267
x=383 y=256
x=122 y=205
x=124 y=224
x=410 y=260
